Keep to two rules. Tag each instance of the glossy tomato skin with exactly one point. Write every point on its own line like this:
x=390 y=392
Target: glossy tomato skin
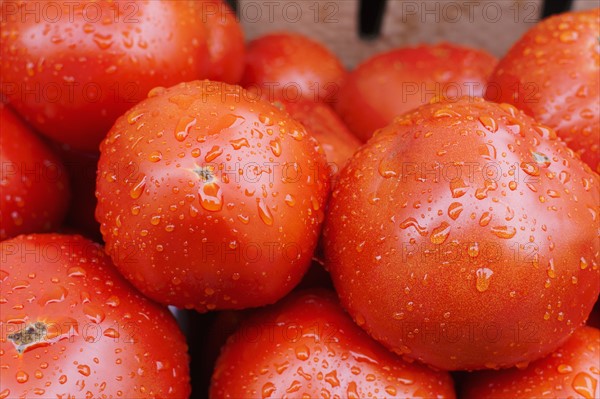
x=572 y=371
x=225 y=42
x=33 y=181
x=392 y=83
x=98 y=337
x=291 y=67
x=551 y=73
x=72 y=77
x=307 y=346
x=465 y=235
x=220 y=196
x=326 y=126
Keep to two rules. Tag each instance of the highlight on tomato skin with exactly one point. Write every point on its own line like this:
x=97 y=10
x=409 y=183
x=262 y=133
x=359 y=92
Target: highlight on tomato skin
x=552 y=73
x=292 y=67
x=307 y=346
x=209 y=198
x=399 y=80
x=71 y=324
x=72 y=75
x=465 y=235
x=34 y=187
x=572 y=371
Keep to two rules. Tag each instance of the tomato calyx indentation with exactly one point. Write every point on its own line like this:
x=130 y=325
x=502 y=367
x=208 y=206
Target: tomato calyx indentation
x=205 y=173
x=30 y=335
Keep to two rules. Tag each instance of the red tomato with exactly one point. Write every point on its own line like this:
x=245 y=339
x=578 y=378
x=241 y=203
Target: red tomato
x=323 y=123
x=552 y=73
x=33 y=181
x=291 y=67
x=71 y=68
x=72 y=327
x=307 y=346
x=465 y=235
x=570 y=372
x=399 y=80
x=218 y=198
x=225 y=42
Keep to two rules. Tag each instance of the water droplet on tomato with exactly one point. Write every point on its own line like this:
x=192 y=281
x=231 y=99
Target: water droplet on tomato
x=504 y=231
x=482 y=281
x=440 y=233
x=275 y=146
x=138 y=188
x=412 y=222
x=585 y=385
x=182 y=129
x=213 y=154
x=22 y=377
x=94 y=313
x=264 y=212
x=211 y=196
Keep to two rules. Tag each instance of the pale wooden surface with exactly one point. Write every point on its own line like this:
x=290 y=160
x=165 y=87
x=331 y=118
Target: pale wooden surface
x=489 y=24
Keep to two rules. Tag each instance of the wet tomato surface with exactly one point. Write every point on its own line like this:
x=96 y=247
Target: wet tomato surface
x=73 y=327
x=209 y=199
x=465 y=235
x=307 y=346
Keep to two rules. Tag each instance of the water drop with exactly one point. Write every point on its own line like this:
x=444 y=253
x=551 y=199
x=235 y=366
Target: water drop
x=264 y=212
x=412 y=222
x=458 y=188
x=483 y=276
x=440 y=233
x=302 y=352
x=138 y=188
x=454 y=210
x=182 y=129
x=275 y=146
x=94 y=313
x=585 y=385
x=504 y=231
x=213 y=154
x=211 y=197
x=239 y=143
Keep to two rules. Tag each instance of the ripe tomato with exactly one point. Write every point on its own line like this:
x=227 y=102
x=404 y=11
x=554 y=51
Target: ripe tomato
x=33 y=181
x=465 y=235
x=291 y=67
x=323 y=123
x=219 y=198
x=307 y=346
x=570 y=372
x=399 y=80
x=552 y=73
x=71 y=68
x=73 y=327
x=225 y=42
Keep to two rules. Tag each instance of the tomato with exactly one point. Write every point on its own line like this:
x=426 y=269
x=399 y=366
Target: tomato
x=225 y=42
x=569 y=372
x=307 y=346
x=399 y=80
x=291 y=67
x=72 y=326
x=552 y=73
x=71 y=68
x=34 y=182
x=465 y=235
x=323 y=123
x=210 y=199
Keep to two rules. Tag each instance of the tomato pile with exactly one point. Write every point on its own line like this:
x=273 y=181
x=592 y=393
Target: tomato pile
x=426 y=225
